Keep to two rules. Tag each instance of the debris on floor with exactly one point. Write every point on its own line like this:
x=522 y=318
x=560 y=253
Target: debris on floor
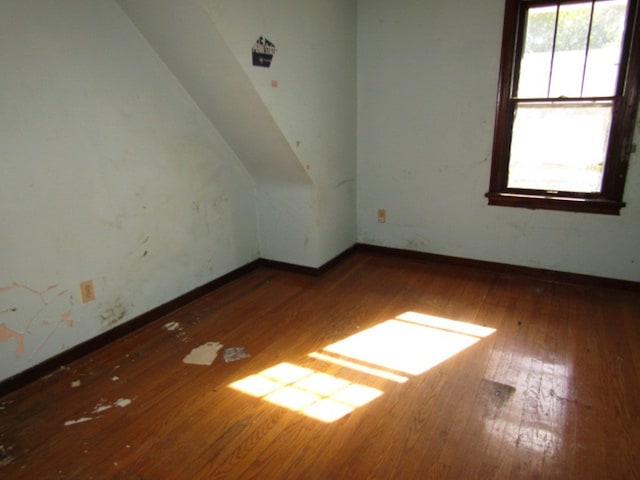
x=99 y=408
x=233 y=354
x=5 y=455
x=172 y=326
x=494 y=396
x=76 y=384
x=80 y=420
x=122 y=402
x=204 y=354
x=176 y=327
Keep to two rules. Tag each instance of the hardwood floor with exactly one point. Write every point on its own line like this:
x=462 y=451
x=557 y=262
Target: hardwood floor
x=489 y=376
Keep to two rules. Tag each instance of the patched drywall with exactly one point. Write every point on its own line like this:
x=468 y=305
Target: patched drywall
x=110 y=173
x=427 y=82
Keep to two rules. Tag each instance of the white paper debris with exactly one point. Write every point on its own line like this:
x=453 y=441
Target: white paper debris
x=80 y=420
x=172 y=326
x=122 y=402
x=100 y=408
x=204 y=354
x=233 y=354
x=76 y=383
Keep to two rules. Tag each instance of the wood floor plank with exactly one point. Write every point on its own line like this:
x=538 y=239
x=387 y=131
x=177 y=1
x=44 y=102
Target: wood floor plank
x=552 y=391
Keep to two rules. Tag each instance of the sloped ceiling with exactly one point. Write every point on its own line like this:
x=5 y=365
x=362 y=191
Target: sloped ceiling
x=188 y=41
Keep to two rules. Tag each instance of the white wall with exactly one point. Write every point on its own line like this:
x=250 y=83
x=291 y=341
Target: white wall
x=314 y=106
x=110 y=172
x=297 y=139
x=427 y=79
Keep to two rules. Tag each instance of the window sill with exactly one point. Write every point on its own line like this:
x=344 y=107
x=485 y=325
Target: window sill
x=550 y=202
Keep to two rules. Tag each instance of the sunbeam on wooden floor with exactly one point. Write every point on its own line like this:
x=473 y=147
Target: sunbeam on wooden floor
x=412 y=344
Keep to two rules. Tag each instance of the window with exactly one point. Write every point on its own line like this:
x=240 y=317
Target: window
x=567 y=101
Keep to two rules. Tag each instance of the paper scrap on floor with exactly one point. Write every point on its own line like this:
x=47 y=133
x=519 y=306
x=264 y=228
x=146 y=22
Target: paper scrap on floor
x=233 y=354
x=204 y=354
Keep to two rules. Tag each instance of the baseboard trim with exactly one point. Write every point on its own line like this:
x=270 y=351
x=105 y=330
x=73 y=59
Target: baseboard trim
x=543 y=274
x=313 y=271
x=289 y=267
x=74 y=353
x=52 y=364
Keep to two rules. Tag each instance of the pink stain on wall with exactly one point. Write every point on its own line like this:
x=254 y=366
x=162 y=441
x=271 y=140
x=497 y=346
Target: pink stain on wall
x=40 y=293
x=66 y=319
x=7 y=334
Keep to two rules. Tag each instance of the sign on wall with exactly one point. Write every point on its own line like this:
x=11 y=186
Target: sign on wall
x=262 y=52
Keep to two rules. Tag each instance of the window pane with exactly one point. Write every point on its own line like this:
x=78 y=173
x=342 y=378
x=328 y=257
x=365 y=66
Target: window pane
x=535 y=65
x=605 y=47
x=570 y=51
x=559 y=146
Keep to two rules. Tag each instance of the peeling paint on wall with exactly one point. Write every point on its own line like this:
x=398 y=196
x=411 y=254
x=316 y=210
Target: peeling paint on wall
x=65 y=318
x=31 y=317
x=39 y=293
x=7 y=334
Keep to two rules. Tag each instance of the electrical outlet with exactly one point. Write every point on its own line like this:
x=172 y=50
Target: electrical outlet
x=87 y=291
x=382 y=215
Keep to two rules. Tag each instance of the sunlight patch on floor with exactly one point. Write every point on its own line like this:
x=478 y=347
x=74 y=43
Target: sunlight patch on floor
x=412 y=343
x=377 y=372
x=409 y=344
x=456 y=326
x=315 y=394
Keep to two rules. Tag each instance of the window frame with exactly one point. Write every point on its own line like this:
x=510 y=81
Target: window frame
x=625 y=104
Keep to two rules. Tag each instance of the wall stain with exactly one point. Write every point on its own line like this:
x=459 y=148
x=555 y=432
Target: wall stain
x=350 y=180
x=112 y=315
x=116 y=222
x=219 y=201
x=142 y=242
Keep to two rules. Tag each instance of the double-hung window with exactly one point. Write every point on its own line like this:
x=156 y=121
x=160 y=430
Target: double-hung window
x=567 y=102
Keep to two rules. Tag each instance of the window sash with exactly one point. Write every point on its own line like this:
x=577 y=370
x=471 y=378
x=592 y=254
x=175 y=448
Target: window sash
x=623 y=106
x=559 y=46
x=550 y=154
